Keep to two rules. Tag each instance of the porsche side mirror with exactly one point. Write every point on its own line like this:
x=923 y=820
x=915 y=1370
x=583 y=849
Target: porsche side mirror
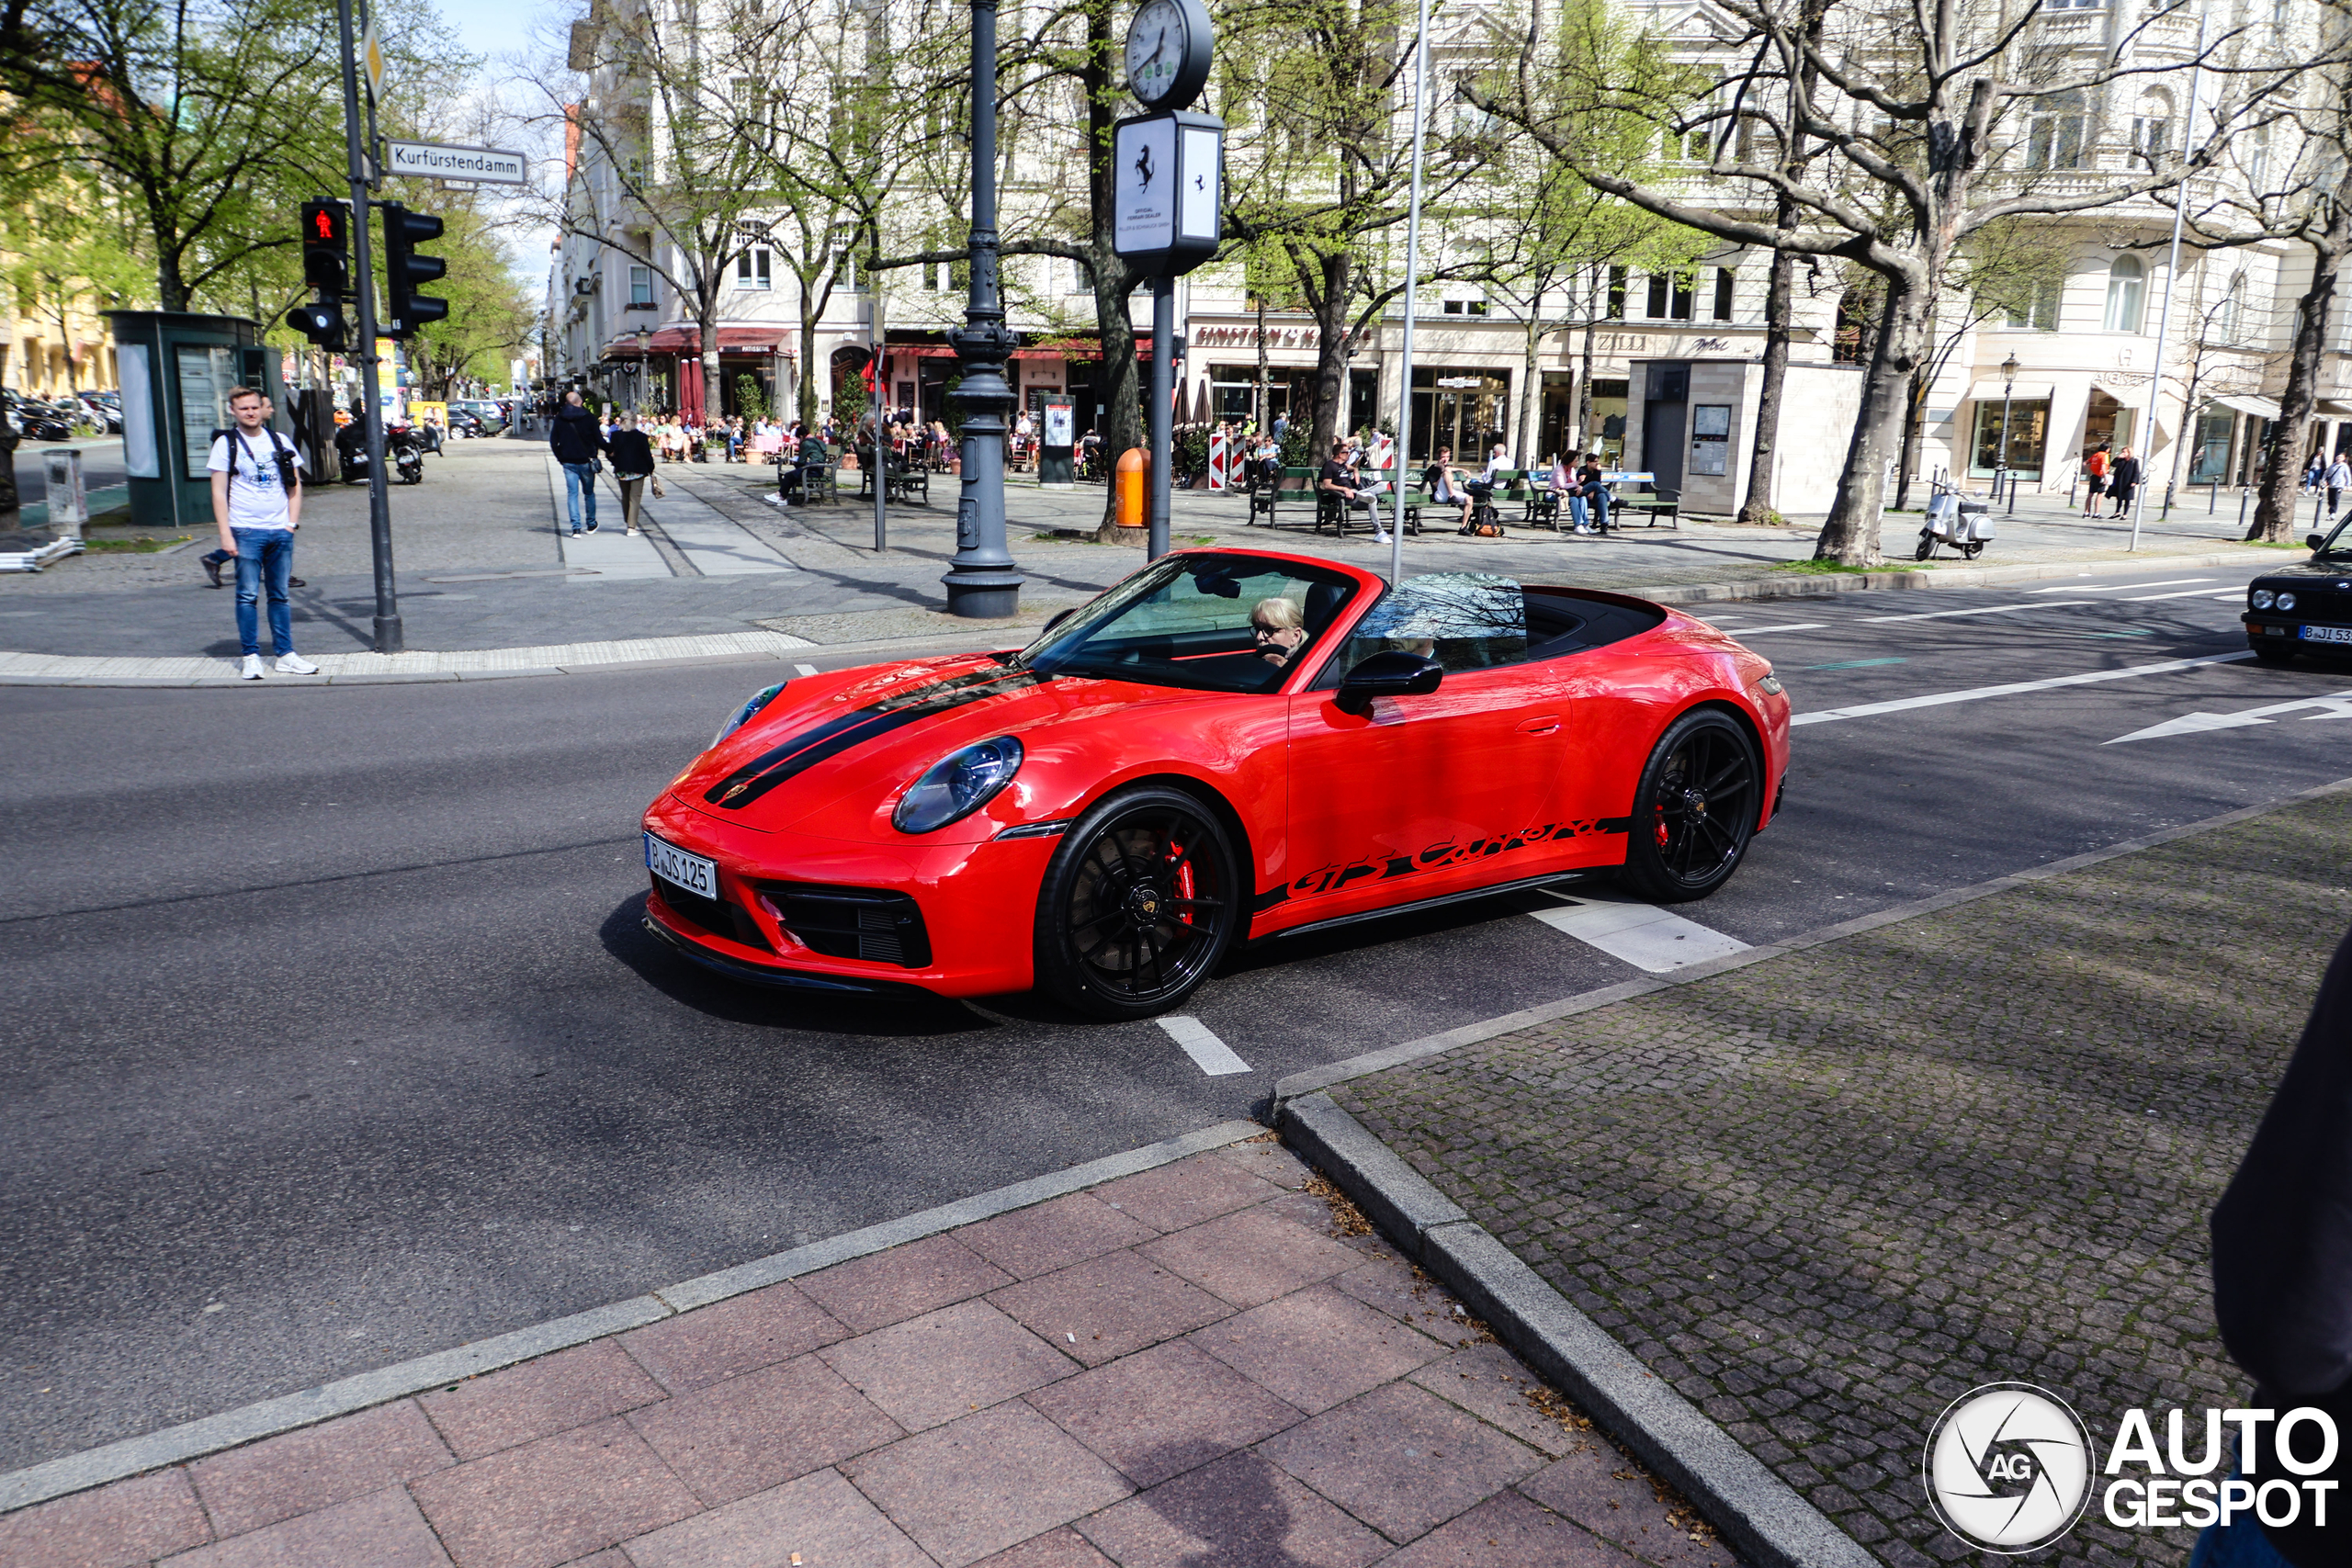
x=1392 y=674
x=2313 y=541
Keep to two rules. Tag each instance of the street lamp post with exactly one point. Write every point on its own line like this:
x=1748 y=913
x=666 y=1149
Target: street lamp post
x=982 y=580
x=644 y=372
x=2001 y=459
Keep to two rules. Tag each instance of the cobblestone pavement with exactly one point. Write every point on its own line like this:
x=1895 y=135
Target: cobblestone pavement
x=1826 y=1194
x=1209 y=1362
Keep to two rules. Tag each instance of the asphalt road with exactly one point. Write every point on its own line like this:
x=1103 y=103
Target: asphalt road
x=334 y=1041
x=101 y=465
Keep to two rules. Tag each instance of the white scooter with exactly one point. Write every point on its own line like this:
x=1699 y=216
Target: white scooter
x=1958 y=520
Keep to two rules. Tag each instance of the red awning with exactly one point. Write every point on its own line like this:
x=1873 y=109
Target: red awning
x=1037 y=354
x=688 y=340
x=921 y=350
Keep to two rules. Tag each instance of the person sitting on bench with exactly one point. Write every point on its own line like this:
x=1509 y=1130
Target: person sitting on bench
x=1446 y=486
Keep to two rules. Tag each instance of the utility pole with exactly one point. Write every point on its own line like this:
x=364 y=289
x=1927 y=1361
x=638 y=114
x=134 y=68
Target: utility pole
x=389 y=638
x=982 y=580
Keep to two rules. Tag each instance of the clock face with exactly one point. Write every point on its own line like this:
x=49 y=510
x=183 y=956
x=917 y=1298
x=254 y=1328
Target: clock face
x=1157 y=45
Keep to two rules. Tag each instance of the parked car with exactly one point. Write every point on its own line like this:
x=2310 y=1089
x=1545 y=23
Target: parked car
x=37 y=421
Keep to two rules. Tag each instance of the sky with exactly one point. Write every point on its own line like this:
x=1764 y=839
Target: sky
x=494 y=31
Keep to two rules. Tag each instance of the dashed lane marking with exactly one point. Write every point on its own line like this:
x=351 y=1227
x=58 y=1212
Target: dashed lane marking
x=2118 y=587
x=1640 y=934
x=2017 y=688
x=804 y=670
x=1984 y=610
x=2185 y=593
x=1209 y=1054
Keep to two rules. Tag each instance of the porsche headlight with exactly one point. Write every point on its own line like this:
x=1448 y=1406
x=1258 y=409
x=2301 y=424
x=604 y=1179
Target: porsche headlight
x=2261 y=599
x=957 y=786
x=2285 y=600
x=745 y=713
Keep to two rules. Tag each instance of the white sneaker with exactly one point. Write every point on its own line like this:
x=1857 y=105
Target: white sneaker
x=251 y=669
x=1382 y=539
x=295 y=664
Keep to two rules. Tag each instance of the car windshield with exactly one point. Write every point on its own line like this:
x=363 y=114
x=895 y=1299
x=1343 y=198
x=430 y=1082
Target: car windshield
x=2337 y=546
x=1216 y=623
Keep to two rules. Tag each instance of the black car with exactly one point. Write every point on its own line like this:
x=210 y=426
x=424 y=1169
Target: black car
x=36 y=421
x=2307 y=607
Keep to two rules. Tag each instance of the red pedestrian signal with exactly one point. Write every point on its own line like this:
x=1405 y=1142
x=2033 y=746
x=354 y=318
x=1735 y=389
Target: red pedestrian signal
x=326 y=248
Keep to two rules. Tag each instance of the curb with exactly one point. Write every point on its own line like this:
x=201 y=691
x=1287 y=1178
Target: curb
x=1314 y=1080
x=1760 y=1514
x=270 y=1417
x=1808 y=586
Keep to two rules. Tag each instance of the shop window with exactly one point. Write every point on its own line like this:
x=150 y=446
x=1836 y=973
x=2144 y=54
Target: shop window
x=2025 y=425
x=2126 y=282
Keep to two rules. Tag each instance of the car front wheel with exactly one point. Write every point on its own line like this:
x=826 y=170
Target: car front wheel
x=1141 y=900
x=1694 y=810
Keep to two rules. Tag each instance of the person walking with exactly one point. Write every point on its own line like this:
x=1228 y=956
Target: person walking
x=2314 y=472
x=575 y=441
x=2121 y=481
x=2096 y=467
x=2281 y=1239
x=632 y=466
x=2339 y=479
x=257 y=504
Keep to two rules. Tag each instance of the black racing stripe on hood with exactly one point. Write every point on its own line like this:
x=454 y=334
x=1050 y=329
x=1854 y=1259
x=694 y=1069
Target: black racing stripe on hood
x=794 y=757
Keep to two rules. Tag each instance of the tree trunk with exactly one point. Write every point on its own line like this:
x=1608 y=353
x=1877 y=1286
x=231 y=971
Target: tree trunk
x=2274 y=510
x=1850 y=536
x=1530 y=400
x=1122 y=403
x=808 y=358
x=1330 y=352
x=1777 y=308
x=1914 y=408
x=1587 y=441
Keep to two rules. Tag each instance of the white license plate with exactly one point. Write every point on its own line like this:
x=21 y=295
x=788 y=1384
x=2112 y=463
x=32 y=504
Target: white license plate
x=671 y=864
x=2327 y=634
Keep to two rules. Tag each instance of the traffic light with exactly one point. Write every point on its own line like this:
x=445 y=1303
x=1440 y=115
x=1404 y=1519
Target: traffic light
x=321 y=320
x=404 y=269
x=326 y=247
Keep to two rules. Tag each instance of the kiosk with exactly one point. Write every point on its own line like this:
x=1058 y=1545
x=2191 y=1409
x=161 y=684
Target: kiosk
x=177 y=371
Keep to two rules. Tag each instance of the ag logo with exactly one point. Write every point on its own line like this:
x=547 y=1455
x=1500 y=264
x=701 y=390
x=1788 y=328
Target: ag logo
x=2007 y=1467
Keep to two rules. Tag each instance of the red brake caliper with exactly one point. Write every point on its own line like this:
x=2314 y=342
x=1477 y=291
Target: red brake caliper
x=1183 y=878
x=1660 y=828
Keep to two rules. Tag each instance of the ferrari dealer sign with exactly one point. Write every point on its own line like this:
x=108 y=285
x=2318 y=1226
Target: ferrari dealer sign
x=432 y=160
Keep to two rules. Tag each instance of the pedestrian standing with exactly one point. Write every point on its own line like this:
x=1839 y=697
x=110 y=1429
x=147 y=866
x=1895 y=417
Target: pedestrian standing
x=632 y=466
x=2096 y=467
x=2339 y=479
x=575 y=441
x=2314 y=473
x=2121 y=481
x=257 y=504
x=213 y=560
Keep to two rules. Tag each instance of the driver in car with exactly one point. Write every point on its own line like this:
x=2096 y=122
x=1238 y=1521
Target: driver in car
x=1279 y=629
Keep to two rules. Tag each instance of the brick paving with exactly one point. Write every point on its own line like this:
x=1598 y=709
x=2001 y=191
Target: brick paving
x=1207 y=1363
x=1826 y=1194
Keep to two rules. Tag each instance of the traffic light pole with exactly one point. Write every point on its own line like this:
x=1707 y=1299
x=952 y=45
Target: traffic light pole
x=379 y=516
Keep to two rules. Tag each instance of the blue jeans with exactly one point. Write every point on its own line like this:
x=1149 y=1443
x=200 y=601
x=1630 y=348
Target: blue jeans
x=1578 y=515
x=579 y=477
x=264 y=556
x=1600 y=510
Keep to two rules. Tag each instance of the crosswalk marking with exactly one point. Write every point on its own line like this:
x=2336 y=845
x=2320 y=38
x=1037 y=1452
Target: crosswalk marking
x=1640 y=934
x=1209 y=1054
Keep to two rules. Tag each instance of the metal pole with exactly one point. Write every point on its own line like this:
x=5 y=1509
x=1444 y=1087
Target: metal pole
x=2001 y=461
x=1412 y=270
x=389 y=638
x=982 y=580
x=2245 y=497
x=881 y=452
x=1163 y=390
x=2164 y=317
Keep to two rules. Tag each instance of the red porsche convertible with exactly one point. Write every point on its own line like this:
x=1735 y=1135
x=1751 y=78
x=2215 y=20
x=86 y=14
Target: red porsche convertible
x=1229 y=746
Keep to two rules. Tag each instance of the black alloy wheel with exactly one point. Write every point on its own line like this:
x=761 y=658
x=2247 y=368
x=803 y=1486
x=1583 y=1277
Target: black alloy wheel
x=1694 y=810
x=1142 y=899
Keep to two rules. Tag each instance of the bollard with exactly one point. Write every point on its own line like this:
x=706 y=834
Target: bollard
x=2070 y=491
x=2212 y=497
x=1135 y=484
x=2013 y=495
x=2244 y=496
x=69 y=502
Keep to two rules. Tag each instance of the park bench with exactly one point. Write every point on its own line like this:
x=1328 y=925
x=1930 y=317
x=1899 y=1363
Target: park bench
x=1657 y=505
x=1293 y=490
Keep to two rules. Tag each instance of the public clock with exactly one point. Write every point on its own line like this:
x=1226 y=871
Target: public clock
x=1168 y=53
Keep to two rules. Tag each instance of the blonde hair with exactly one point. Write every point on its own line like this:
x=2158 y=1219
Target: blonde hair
x=1278 y=614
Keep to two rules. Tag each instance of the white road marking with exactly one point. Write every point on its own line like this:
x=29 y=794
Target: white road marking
x=2149 y=598
x=2019 y=688
x=804 y=670
x=1987 y=610
x=2118 y=587
x=2336 y=706
x=1209 y=1054
x=1640 y=934
x=1788 y=626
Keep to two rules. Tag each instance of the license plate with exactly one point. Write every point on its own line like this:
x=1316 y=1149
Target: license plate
x=2327 y=634
x=671 y=864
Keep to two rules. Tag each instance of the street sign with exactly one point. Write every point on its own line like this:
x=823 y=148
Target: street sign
x=433 y=160
x=371 y=59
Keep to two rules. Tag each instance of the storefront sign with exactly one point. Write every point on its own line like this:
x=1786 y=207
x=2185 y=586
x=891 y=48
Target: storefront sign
x=1246 y=337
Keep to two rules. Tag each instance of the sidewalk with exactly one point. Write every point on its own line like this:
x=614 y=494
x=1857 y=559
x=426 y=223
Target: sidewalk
x=1211 y=1363
x=1823 y=1194
x=485 y=566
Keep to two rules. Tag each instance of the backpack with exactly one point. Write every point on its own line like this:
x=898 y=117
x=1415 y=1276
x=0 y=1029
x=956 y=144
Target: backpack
x=287 y=478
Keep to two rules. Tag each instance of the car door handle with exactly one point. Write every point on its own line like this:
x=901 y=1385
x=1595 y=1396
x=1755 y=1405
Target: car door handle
x=1541 y=724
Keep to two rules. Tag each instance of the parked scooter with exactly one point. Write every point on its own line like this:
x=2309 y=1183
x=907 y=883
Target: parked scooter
x=404 y=450
x=1963 y=523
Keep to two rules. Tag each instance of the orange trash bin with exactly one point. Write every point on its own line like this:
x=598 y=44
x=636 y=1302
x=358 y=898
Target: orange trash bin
x=1133 y=480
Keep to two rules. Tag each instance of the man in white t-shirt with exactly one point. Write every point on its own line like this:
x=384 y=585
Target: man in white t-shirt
x=257 y=504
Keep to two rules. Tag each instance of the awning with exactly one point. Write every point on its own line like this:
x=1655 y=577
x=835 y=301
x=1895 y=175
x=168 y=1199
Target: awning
x=921 y=350
x=1992 y=391
x=1037 y=354
x=2326 y=409
x=2261 y=408
x=688 y=340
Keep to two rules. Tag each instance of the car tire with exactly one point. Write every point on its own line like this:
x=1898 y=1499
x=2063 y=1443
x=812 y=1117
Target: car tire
x=2272 y=653
x=1142 y=898
x=1694 y=809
